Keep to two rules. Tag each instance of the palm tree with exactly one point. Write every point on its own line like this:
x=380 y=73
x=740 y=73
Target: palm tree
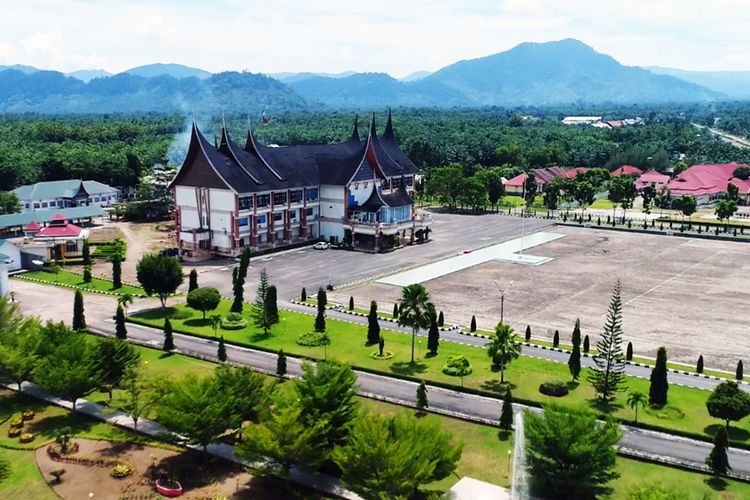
x=125 y=300
x=503 y=348
x=215 y=322
x=636 y=399
x=415 y=310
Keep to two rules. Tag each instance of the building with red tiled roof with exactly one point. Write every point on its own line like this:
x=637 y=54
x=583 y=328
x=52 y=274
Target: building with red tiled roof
x=652 y=178
x=627 y=170
x=515 y=185
x=708 y=182
x=62 y=238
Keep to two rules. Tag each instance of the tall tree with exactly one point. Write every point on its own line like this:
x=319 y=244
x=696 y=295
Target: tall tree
x=125 y=300
x=221 y=353
x=121 y=331
x=738 y=373
x=415 y=310
x=238 y=281
x=648 y=193
x=473 y=325
x=160 y=275
x=527 y=333
x=570 y=452
x=246 y=391
x=281 y=363
x=718 y=460
x=574 y=361
x=204 y=299
x=529 y=189
x=320 y=321
x=699 y=364
x=422 y=402
x=260 y=315
x=506 y=413
x=725 y=209
x=728 y=402
x=111 y=358
x=373 y=327
x=322 y=298
x=137 y=398
x=117 y=271
x=328 y=391
x=272 y=306
x=433 y=337
x=390 y=457
x=303 y=295
x=86 y=253
x=503 y=348
x=79 y=316
x=607 y=375
x=19 y=338
x=657 y=392
x=168 y=337
x=192 y=280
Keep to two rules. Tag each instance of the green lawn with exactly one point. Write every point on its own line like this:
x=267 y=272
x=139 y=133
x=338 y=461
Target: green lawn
x=686 y=411
x=601 y=203
x=25 y=480
x=67 y=278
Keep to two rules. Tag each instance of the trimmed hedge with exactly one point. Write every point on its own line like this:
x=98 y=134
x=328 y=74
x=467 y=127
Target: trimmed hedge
x=554 y=388
x=312 y=339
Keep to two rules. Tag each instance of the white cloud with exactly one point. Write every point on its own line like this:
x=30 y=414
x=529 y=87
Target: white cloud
x=389 y=35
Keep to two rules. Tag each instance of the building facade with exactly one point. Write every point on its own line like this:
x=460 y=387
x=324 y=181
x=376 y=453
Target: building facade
x=50 y=195
x=359 y=193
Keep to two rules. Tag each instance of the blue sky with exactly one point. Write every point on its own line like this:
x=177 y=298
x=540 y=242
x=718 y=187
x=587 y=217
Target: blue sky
x=394 y=36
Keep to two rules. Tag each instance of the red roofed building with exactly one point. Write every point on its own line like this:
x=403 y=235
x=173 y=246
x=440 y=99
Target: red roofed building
x=652 y=178
x=63 y=238
x=515 y=185
x=627 y=170
x=708 y=182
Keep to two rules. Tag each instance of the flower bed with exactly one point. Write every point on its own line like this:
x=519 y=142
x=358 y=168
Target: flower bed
x=121 y=470
x=16 y=422
x=555 y=388
x=26 y=437
x=28 y=415
x=386 y=355
x=14 y=432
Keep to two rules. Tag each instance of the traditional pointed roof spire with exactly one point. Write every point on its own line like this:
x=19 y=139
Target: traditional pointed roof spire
x=373 y=132
x=355 y=130
x=388 y=125
x=216 y=142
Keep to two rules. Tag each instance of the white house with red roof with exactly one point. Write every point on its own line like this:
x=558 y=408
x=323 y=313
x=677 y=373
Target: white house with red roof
x=708 y=182
x=652 y=178
x=62 y=238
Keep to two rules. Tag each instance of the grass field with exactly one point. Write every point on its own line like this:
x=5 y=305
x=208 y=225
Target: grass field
x=71 y=279
x=685 y=412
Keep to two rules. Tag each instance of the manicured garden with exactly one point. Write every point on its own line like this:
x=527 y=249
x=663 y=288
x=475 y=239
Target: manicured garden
x=685 y=412
x=66 y=278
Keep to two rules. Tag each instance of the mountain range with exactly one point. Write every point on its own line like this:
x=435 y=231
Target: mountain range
x=536 y=74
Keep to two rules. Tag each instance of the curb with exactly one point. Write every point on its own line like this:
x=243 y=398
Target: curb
x=73 y=287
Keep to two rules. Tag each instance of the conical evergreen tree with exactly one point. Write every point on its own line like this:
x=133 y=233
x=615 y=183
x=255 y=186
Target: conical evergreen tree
x=168 y=338
x=373 y=327
x=527 y=335
x=699 y=365
x=272 y=307
x=260 y=313
x=586 y=344
x=395 y=310
x=718 y=459
x=322 y=298
x=238 y=281
x=607 y=375
x=433 y=337
x=120 y=331
x=574 y=361
x=441 y=319
x=303 y=295
x=556 y=339
x=422 y=402
x=657 y=392
x=351 y=303
x=629 y=352
x=738 y=374
x=86 y=253
x=87 y=274
x=79 y=318
x=506 y=414
x=116 y=271
x=320 y=321
x=281 y=363
x=221 y=353
x=193 y=281
x=473 y=327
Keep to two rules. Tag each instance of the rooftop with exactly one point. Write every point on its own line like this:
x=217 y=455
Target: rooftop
x=43 y=216
x=627 y=170
x=61 y=189
x=707 y=179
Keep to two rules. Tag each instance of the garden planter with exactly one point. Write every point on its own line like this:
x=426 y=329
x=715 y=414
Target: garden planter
x=168 y=488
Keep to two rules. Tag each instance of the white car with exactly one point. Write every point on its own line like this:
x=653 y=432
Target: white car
x=321 y=245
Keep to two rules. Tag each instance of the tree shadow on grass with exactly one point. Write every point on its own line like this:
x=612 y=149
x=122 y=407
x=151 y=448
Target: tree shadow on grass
x=605 y=406
x=197 y=322
x=716 y=483
x=48 y=426
x=497 y=387
x=573 y=385
x=734 y=433
x=166 y=355
x=407 y=368
x=430 y=355
x=118 y=448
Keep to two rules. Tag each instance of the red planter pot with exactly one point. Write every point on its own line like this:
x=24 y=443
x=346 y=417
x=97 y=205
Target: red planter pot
x=174 y=490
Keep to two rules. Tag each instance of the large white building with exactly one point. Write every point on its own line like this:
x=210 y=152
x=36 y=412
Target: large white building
x=65 y=194
x=356 y=192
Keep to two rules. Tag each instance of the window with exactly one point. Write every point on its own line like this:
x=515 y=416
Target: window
x=279 y=198
x=246 y=203
x=28 y=205
x=292 y=214
x=309 y=212
x=36 y=205
x=396 y=182
x=96 y=199
x=263 y=200
x=295 y=196
x=278 y=216
x=409 y=181
x=312 y=194
x=261 y=219
x=385 y=184
x=244 y=221
x=71 y=247
x=60 y=203
x=44 y=205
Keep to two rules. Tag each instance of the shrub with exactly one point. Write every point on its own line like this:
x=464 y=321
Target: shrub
x=457 y=366
x=28 y=415
x=26 y=437
x=554 y=388
x=386 y=355
x=16 y=422
x=233 y=321
x=14 y=432
x=121 y=470
x=312 y=339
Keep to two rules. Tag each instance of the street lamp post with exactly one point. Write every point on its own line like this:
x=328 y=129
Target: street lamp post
x=502 y=300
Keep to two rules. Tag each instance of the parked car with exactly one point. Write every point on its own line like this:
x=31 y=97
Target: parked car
x=321 y=245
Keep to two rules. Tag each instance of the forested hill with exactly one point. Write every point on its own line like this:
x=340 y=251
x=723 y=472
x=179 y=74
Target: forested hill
x=51 y=92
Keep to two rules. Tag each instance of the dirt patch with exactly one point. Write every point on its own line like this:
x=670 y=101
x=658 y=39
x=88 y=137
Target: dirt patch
x=200 y=479
x=686 y=294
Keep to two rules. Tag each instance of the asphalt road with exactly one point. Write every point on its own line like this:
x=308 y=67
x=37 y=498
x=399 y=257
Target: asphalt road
x=666 y=447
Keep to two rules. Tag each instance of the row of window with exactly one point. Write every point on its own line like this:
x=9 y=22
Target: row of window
x=262 y=219
x=279 y=198
x=61 y=203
